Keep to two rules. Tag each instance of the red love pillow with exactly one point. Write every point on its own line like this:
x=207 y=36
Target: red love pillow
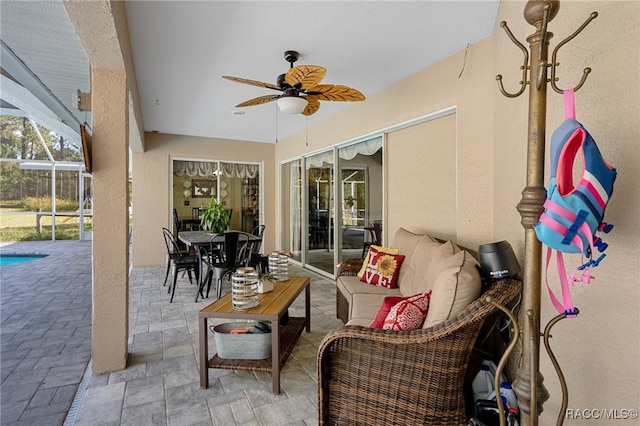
x=382 y=269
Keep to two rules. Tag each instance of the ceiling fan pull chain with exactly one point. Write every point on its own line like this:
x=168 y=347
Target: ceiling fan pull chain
x=276 y=110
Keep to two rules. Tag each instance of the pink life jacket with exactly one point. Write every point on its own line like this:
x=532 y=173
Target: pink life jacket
x=574 y=213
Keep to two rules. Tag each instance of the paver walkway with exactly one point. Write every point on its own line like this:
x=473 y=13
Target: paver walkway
x=45 y=331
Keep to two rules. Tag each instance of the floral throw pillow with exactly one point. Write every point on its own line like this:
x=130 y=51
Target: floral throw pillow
x=387 y=303
x=382 y=269
x=408 y=314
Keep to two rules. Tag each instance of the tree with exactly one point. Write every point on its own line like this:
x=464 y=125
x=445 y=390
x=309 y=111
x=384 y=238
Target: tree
x=18 y=141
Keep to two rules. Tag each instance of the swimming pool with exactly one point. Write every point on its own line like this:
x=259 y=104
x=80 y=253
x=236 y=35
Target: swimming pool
x=12 y=258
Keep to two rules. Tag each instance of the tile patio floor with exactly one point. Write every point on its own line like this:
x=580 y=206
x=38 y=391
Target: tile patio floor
x=161 y=383
x=45 y=331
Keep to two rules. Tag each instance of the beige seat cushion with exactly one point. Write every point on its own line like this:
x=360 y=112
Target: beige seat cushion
x=366 y=306
x=351 y=285
x=456 y=283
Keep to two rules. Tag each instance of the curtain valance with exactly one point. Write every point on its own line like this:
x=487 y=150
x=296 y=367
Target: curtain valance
x=210 y=169
x=368 y=147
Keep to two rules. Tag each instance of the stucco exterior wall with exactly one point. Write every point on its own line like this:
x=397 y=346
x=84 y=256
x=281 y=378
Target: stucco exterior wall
x=598 y=351
x=152 y=186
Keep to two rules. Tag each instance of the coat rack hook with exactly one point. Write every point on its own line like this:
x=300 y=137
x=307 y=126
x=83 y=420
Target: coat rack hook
x=542 y=62
x=524 y=67
x=563 y=383
x=555 y=63
x=543 y=31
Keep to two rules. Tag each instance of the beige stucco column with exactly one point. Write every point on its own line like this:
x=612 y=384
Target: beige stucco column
x=110 y=156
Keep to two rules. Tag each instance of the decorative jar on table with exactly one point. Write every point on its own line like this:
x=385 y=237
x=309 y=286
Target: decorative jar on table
x=279 y=265
x=244 y=289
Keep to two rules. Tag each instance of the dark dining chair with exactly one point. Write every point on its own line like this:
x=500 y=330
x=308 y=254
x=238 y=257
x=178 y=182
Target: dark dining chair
x=208 y=255
x=246 y=248
x=177 y=222
x=180 y=226
x=375 y=230
x=172 y=253
x=179 y=261
x=258 y=231
x=196 y=212
x=218 y=270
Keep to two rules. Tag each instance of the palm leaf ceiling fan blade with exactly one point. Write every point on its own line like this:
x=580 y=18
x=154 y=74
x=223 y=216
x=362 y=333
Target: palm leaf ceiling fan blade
x=302 y=82
x=305 y=75
x=258 y=101
x=251 y=82
x=336 y=92
x=313 y=105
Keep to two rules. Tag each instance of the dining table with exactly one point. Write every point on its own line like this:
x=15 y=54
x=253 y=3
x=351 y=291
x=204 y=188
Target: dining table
x=196 y=238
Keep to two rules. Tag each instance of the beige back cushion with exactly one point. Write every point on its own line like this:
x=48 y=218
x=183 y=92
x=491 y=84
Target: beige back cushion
x=425 y=251
x=455 y=284
x=406 y=243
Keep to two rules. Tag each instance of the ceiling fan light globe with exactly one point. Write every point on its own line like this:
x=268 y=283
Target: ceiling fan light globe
x=292 y=104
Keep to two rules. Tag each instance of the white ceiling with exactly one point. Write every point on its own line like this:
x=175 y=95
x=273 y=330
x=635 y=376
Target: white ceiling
x=182 y=48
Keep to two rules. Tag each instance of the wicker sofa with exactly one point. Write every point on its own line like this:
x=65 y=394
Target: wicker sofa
x=443 y=267
x=373 y=376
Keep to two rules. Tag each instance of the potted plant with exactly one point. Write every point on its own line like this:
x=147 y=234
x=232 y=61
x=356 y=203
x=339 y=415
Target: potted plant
x=214 y=217
x=349 y=201
x=266 y=281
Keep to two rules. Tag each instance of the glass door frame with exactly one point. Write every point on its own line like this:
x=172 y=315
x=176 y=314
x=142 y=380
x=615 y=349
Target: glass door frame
x=331 y=234
x=335 y=238
x=260 y=165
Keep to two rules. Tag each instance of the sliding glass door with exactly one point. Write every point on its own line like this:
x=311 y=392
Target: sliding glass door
x=360 y=195
x=320 y=212
x=318 y=230
x=291 y=205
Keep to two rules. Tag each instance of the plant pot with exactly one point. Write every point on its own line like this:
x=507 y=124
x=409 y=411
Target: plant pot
x=265 y=286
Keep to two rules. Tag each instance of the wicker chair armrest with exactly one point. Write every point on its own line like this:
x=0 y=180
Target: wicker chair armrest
x=350 y=267
x=369 y=375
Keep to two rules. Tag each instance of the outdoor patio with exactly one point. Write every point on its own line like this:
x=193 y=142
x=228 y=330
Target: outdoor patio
x=161 y=384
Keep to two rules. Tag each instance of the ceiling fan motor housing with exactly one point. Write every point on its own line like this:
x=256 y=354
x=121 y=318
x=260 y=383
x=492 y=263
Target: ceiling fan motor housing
x=281 y=82
x=291 y=56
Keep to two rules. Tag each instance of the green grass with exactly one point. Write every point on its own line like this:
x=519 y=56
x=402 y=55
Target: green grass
x=18 y=225
x=63 y=232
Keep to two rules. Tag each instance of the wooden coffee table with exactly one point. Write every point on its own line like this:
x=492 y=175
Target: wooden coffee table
x=272 y=307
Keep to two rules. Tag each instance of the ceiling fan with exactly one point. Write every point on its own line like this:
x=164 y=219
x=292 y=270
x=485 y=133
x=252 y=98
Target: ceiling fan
x=301 y=91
